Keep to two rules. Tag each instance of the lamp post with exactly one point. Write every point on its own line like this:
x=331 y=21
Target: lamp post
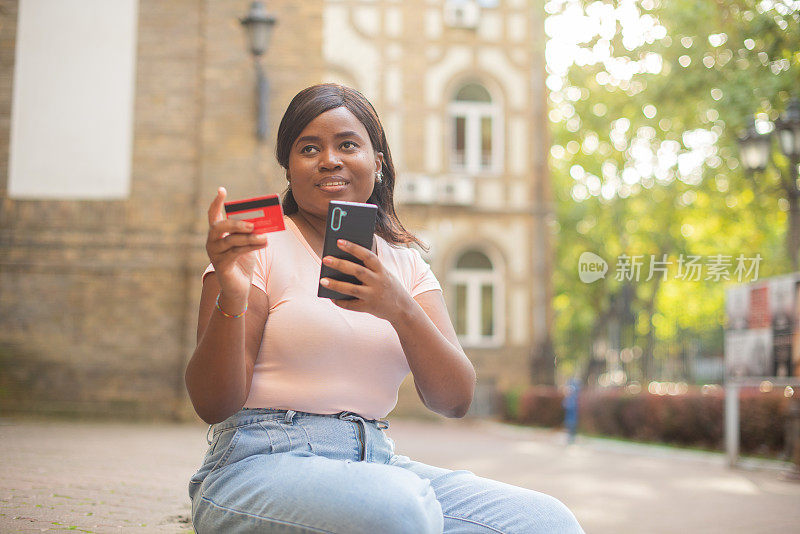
x=755 y=154
x=258 y=24
x=755 y=151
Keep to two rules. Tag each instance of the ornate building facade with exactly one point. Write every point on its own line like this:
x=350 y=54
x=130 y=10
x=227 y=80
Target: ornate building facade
x=110 y=155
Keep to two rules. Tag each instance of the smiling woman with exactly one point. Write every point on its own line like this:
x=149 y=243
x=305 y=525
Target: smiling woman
x=295 y=386
x=309 y=117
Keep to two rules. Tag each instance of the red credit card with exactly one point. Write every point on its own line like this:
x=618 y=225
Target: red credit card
x=265 y=213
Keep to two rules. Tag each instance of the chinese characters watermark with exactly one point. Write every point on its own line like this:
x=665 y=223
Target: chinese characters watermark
x=715 y=268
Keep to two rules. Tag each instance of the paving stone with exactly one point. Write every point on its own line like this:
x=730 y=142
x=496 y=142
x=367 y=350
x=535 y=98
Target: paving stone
x=111 y=477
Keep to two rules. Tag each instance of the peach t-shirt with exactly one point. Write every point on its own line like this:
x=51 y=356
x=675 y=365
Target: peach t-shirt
x=315 y=356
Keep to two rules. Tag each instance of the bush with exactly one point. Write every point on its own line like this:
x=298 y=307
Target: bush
x=762 y=421
x=540 y=406
x=510 y=404
x=691 y=419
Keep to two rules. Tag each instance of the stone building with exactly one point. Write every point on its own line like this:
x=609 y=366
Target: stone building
x=118 y=120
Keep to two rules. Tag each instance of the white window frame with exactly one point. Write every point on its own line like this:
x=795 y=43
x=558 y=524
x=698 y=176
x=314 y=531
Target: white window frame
x=473 y=279
x=473 y=112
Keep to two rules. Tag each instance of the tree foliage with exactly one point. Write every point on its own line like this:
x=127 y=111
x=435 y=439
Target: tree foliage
x=647 y=101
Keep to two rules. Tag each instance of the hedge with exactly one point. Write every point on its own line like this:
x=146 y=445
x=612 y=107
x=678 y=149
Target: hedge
x=694 y=418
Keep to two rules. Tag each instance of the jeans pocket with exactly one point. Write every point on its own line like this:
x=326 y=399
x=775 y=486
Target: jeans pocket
x=217 y=455
x=198 y=477
x=210 y=462
x=223 y=448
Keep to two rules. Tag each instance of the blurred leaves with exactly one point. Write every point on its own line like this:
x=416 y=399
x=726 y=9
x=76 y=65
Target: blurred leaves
x=645 y=120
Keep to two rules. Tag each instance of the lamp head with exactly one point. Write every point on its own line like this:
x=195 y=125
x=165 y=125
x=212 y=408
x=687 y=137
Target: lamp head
x=754 y=148
x=258 y=24
x=788 y=128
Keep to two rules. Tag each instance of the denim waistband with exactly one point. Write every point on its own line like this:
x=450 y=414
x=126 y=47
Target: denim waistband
x=247 y=416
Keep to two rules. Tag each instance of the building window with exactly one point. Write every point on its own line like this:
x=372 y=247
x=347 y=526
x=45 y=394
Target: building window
x=478 y=299
x=476 y=126
x=72 y=112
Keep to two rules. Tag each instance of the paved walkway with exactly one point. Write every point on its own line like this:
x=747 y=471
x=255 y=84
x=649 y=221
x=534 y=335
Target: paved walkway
x=104 y=477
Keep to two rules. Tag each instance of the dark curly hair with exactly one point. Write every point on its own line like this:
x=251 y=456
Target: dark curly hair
x=317 y=99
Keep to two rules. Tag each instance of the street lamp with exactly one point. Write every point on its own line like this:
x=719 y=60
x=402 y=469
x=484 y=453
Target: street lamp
x=755 y=149
x=755 y=152
x=788 y=128
x=258 y=24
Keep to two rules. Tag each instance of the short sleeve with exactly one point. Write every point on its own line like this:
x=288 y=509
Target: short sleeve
x=260 y=272
x=422 y=277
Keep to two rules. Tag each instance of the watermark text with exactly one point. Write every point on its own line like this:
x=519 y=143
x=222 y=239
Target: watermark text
x=690 y=268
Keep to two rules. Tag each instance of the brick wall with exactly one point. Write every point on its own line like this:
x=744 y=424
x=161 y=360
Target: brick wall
x=98 y=299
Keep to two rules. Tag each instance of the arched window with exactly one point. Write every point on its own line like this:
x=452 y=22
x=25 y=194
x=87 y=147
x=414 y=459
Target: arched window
x=475 y=127
x=478 y=299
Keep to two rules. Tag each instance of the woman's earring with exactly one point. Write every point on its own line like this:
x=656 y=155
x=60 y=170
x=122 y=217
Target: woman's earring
x=379 y=177
x=288 y=184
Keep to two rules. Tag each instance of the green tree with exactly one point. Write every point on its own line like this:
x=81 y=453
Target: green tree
x=646 y=105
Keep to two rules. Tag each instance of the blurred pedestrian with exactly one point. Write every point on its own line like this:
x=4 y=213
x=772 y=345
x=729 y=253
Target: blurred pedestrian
x=570 y=404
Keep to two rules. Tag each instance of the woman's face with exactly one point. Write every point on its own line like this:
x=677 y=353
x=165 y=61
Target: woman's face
x=332 y=159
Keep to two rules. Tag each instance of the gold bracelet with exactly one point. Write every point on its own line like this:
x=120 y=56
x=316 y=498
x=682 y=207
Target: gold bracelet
x=228 y=314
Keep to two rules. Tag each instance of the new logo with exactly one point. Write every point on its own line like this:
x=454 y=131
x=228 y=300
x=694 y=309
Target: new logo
x=591 y=267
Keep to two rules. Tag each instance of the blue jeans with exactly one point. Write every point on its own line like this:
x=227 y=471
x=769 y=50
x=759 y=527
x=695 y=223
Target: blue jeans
x=270 y=470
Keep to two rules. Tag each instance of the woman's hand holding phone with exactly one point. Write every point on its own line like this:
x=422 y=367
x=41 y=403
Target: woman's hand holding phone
x=381 y=294
x=231 y=247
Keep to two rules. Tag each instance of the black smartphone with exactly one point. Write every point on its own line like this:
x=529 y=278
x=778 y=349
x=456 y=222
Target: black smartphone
x=355 y=222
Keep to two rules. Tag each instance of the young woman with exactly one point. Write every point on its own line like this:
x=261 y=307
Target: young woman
x=295 y=386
